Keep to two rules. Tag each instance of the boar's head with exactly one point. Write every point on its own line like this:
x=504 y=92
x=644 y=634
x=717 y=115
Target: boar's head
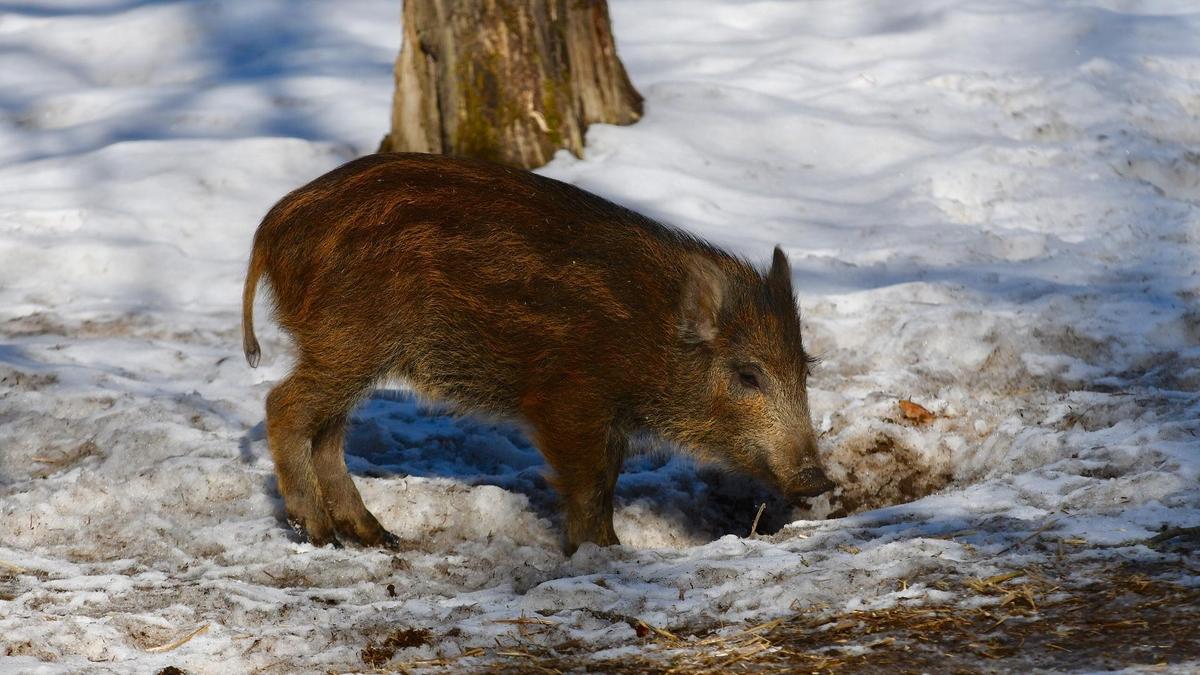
x=740 y=397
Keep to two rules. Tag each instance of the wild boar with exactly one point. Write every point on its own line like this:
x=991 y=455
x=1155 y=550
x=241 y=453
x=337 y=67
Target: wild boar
x=514 y=295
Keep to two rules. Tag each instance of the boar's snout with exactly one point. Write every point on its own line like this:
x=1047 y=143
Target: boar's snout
x=810 y=483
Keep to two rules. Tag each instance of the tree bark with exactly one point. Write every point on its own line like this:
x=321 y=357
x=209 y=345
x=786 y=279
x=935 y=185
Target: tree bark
x=510 y=81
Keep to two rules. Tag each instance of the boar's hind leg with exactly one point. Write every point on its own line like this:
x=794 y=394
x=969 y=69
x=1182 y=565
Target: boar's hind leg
x=289 y=434
x=350 y=516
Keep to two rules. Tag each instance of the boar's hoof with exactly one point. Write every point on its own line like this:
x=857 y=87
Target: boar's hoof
x=390 y=541
x=316 y=540
x=375 y=538
x=325 y=541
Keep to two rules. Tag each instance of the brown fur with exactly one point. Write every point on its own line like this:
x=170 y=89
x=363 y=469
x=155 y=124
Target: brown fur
x=516 y=295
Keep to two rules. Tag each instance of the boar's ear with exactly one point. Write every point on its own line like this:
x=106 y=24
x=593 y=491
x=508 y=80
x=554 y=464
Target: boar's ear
x=703 y=293
x=779 y=279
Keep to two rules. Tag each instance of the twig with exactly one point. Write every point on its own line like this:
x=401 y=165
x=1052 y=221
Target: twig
x=764 y=627
x=754 y=528
x=1001 y=578
x=643 y=629
x=1172 y=533
x=178 y=643
x=524 y=620
x=1045 y=526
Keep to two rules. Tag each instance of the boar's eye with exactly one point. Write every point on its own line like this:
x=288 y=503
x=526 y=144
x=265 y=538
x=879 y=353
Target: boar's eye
x=750 y=378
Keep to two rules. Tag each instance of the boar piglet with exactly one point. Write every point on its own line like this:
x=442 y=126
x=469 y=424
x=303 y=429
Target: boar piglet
x=514 y=295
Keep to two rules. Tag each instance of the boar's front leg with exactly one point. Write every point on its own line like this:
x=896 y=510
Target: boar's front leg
x=343 y=502
x=617 y=449
x=586 y=468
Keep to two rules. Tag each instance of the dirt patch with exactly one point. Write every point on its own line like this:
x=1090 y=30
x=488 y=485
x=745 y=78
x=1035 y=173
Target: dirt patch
x=881 y=470
x=377 y=654
x=1020 y=621
x=145 y=326
x=19 y=379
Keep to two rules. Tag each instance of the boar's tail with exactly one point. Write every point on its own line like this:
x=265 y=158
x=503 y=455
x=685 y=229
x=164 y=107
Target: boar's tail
x=249 y=342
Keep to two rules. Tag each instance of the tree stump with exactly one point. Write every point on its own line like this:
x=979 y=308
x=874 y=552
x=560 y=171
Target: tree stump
x=510 y=81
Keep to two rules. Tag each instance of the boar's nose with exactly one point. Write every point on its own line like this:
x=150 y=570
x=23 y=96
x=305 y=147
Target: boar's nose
x=810 y=483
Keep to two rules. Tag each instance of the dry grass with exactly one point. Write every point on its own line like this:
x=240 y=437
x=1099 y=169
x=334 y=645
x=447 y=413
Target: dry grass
x=62 y=460
x=1016 y=621
x=176 y=644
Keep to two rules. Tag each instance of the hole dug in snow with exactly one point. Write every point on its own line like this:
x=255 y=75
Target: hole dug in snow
x=880 y=467
x=882 y=450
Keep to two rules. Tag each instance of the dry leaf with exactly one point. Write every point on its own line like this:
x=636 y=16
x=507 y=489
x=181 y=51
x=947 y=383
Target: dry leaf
x=915 y=412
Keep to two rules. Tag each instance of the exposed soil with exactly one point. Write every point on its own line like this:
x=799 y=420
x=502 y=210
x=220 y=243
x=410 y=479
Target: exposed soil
x=1078 y=619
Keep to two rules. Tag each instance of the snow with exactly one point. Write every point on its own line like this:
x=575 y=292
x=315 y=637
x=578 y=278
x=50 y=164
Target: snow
x=992 y=208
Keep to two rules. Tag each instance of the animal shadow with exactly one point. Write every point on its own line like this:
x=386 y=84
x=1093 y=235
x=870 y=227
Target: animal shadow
x=394 y=434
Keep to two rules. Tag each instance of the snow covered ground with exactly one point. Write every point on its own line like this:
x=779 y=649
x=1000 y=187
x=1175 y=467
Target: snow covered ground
x=992 y=208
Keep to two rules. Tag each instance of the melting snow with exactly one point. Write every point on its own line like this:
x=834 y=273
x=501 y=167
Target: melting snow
x=991 y=208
